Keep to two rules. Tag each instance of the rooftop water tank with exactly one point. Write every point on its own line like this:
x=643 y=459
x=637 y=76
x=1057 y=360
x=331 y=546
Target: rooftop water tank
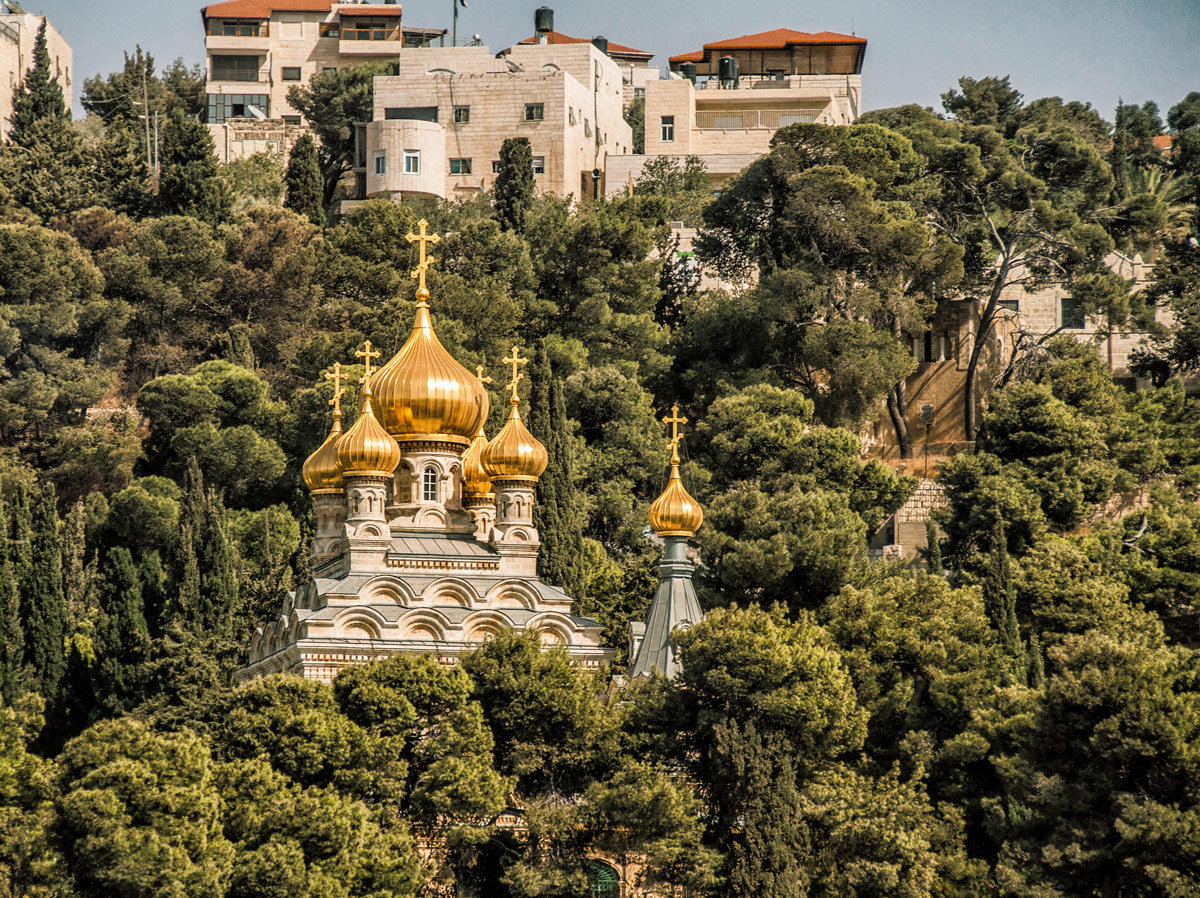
x=543 y=20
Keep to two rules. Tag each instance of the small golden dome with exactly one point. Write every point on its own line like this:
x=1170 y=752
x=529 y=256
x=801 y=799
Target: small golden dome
x=321 y=471
x=423 y=393
x=514 y=454
x=675 y=512
x=475 y=479
x=366 y=449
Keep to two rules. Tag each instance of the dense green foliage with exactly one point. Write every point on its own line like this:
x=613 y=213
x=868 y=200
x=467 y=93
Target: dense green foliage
x=1018 y=715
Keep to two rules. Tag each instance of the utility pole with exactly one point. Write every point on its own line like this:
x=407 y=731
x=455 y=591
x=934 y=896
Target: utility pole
x=156 y=163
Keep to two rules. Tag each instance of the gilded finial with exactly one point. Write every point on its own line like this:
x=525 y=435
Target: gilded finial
x=516 y=361
x=367 y=354
x=425 y=261
x=338 y=390
x=676 y=420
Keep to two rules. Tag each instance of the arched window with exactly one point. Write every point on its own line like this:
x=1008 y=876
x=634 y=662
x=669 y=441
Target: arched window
x=429 y=484
x=605 y=883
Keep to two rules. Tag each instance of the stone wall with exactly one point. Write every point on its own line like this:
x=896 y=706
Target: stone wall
x=245 y=137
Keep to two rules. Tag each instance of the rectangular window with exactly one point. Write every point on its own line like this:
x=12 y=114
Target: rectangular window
x=381 y=162
x=495 y=166
x=460 y=166
x=291 y=73
x=329 y=68
x=668 y=128
x=539 y=165
x=411 y=113
x=235 y=68
x=292 y=119
x=639 y=93
x=462 y=115
x=535 y=112
x=1010 y=305
x=331 y=29
x=412 y=162
x=1073 y=317
x=369 y=31
x=222 y=107
x=235 y=28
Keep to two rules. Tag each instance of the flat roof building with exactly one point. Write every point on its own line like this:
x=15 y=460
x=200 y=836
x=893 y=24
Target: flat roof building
x=18 y=33
x=438 y=125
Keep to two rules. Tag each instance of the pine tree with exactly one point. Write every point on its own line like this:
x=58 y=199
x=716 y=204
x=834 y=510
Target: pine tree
x=512 y=193
x=39 y=98
x=43 y=607
x=189 y=183
x=122 y=637
x=1000 y=595
x=303 y=182
x=11 y=639
x=122 y=173
x=556 y=512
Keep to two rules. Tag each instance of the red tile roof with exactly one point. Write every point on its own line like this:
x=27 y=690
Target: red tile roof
x=374 y=12
x=262 y=9
x=614 y=49
x=778 y=39
x=1163 y=143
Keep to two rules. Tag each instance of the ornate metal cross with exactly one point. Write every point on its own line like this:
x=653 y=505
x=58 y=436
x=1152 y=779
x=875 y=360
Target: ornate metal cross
x=366 y=355
x=338 y=390
x=516 y=361
x=479 y=375
x=675 y=420
x=425 y=261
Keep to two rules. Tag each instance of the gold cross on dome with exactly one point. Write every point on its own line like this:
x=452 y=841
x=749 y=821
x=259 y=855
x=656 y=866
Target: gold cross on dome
x=479 y=375
x=516 y=361
x=338 y=390
x=675 y=420
x=425 y=261
x=366 y=355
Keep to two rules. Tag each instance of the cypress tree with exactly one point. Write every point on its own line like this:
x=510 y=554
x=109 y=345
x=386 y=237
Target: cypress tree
x=154 y=591
x=77 y=575
x=1036 y=665
x=189 y=183
x=218 y=573
x=1119 y=155
x=122 y=637
x=21 y=547
x=933 y=550
x=556 y=513
x=1000 y=594
x=304 y=185
x=39 y=97
x=512 y=193
x=43 y=606
x=11 y=639
x=75 y=709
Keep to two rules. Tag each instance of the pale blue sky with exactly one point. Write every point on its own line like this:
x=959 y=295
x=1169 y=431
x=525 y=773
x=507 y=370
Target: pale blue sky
x=1094 y=50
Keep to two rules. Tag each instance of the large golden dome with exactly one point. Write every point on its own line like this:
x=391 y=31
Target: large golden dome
x=321 y=471
x=675 y=512
x=366 y=449
x=422 y=393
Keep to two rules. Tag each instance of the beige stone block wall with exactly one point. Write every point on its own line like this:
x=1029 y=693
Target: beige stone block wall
x=670 y=97
x=393 y=138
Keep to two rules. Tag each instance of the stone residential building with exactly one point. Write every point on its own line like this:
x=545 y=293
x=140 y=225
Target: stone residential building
x=635 y=65
x=257 y=49
x=438 y=125
x=18 y=32
x=723 y=103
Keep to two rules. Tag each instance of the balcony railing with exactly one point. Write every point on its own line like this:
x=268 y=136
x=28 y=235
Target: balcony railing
x=238 y=29
x=370 y=33
x=749 y=119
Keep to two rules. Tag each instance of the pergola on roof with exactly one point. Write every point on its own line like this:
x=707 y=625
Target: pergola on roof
x=776 y=39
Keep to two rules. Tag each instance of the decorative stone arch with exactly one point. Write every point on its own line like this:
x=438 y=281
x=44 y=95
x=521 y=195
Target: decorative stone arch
x=552 y=628
x=360 y=622
x=372 y=530
x=424 y=623
x=519 y=534
x=603 y=879
x=484 y=625
x=431 y=516
x=404 y=480
x=450 y=591
x=387 y=589
x=456 y=486
x=510 y=591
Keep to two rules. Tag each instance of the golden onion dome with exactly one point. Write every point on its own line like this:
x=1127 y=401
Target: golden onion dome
x=475 y=479
x=514 y=454
x=675 y=512
x=366 y=449
x=321 y=472
x=422 y=393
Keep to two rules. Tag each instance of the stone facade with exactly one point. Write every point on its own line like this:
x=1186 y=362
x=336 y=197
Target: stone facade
x=18 y=33
x=437 y=126
x=238 y=138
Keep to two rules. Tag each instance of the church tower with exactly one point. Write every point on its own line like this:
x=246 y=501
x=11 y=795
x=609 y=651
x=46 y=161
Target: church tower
x=675 y=516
